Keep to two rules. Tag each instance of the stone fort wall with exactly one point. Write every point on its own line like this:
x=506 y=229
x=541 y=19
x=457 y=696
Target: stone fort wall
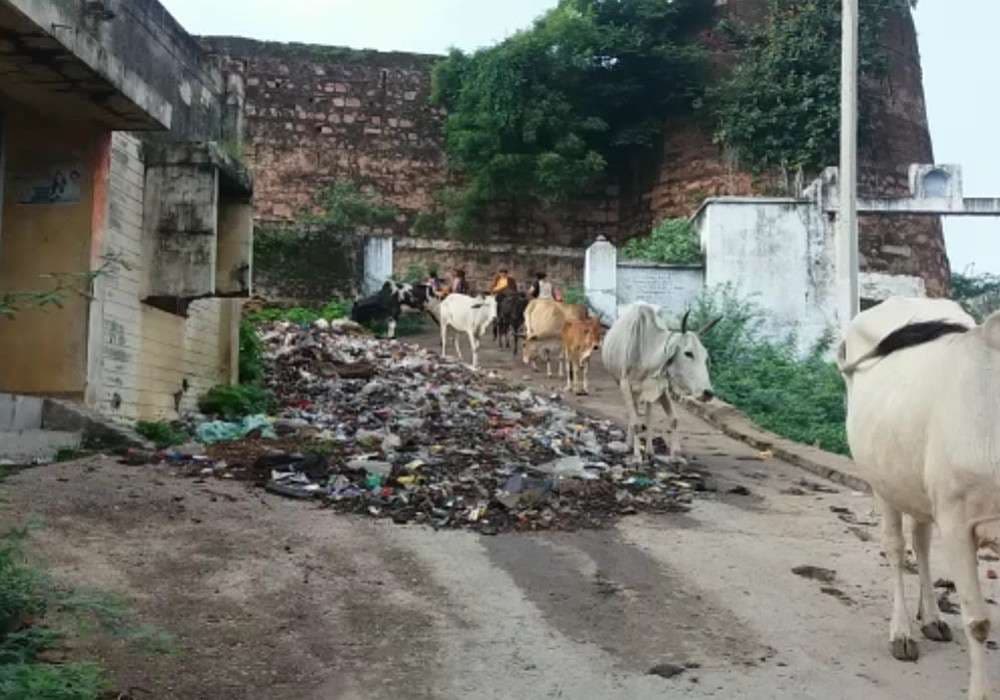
x=315 y=115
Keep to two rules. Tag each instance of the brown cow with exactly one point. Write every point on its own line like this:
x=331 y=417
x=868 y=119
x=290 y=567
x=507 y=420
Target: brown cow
x=579 y=340
x=543 y=323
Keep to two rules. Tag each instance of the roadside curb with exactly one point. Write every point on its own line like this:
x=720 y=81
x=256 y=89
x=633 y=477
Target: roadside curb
x=733 y=423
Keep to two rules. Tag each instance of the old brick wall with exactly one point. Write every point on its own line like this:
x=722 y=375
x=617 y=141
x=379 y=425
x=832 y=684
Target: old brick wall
x=315 y=115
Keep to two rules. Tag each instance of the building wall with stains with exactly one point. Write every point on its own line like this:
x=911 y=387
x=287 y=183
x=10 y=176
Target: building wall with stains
x=53 y=179
x=152 y=363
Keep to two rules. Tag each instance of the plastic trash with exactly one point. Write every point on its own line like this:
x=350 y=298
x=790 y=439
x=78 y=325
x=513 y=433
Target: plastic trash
x=225 y=431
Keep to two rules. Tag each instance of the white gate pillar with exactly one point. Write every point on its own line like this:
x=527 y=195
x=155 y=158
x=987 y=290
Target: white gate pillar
x=378 y=263
x=600 y=279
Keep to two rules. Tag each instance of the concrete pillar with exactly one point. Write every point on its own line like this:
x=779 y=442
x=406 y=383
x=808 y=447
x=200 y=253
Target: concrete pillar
x=600 y=279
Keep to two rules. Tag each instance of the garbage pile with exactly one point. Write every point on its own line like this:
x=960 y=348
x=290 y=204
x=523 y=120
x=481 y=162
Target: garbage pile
x=391 y=430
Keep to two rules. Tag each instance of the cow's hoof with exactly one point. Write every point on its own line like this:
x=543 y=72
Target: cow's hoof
x=583 y=393
x=937 y=631
x=904 y=649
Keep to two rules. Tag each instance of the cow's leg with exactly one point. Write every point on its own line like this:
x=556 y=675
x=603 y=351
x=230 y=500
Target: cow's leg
x=458 y=347
x=391 y=332
x=585 y=368
x=647 y=418
x=444 y=340
x=932 y=626
x=474 y=342
x=548 y=362
x=900 y=639
x=960 y=544
x=570 y=379
x=633 y=416
x=674 y=435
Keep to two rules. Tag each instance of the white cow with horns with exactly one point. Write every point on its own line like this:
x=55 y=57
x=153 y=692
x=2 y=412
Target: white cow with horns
x=647 y=359
x=469 y=315
x=923 y=424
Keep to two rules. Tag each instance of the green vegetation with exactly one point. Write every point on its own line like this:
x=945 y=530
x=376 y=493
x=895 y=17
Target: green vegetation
x=314 y=256
x=161 y=433
x=26 y=599
x=545 y=114
x=781 y=105
x=29 y=603
x=802 y=399
x=416 y=274
x=574 y=295
x=344 y=208
x=251 y=369
x=672 y=241
x=69 y=454
x=332 y=310
x=580 y=98
x=236 y=401
x=978 y=294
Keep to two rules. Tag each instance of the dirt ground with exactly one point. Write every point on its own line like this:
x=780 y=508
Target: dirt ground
x=276 y=599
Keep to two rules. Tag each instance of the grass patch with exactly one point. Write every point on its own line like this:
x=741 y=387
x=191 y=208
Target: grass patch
x=25 y=597
x=161 y=433
x=236 y=401
x=800 y=398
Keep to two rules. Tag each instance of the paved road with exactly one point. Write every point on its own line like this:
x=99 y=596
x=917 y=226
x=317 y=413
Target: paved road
x=274 y=599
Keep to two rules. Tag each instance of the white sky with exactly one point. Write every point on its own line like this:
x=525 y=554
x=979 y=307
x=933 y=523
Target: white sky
x=957 y=40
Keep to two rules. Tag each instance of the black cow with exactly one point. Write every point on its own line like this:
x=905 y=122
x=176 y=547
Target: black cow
x=388 y=304
x=510 y=317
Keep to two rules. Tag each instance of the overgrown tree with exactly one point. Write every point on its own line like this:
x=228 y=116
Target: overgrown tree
x=547 y=113
x=781 y=105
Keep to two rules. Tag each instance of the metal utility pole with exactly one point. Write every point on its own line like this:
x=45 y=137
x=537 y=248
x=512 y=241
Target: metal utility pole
x=847 y=224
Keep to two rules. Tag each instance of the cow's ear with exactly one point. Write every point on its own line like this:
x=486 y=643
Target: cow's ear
x=991 y=329
x=673 y=348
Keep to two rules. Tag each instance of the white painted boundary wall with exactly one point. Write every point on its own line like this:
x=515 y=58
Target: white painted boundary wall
x=674 y=287
x=610 y=285
x=777 y=253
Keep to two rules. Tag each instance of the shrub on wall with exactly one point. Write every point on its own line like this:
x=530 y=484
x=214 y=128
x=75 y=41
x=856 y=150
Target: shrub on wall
x=781 y=105
x=672 y=241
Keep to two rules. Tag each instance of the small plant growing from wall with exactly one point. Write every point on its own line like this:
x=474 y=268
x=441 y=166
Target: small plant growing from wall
x=65 y=284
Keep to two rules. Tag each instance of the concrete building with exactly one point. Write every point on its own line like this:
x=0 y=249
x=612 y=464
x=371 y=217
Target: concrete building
x=116 y=160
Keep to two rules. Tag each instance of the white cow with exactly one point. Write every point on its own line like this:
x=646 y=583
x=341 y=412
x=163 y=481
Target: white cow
x=922 y=423
x=469 y=315
x=647 y=358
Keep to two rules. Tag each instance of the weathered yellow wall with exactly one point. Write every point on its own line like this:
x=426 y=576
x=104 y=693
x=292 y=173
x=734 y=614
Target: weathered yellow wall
x=147 y=354
x=44 y=351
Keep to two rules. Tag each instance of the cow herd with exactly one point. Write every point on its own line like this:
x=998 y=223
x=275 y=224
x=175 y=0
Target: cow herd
x=646 y=357
x=923 y=400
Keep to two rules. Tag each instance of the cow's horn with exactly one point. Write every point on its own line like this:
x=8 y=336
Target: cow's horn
x=684 y=321
x=709 y=326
